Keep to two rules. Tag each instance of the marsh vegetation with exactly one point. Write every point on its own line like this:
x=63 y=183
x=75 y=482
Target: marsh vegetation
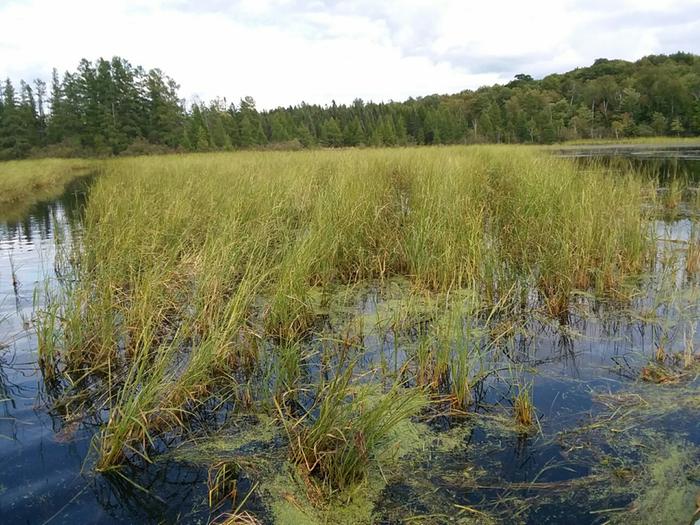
x=351 y=336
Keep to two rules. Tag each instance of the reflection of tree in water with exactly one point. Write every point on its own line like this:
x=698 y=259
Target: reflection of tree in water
x=670 y=168
x=665 y=165
x=6 y=400
x=42 y=219
x=9 y=391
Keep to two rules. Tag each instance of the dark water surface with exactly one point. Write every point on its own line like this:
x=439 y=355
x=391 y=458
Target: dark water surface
x=46 y=473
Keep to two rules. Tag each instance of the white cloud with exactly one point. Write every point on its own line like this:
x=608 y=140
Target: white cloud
x=286 y=51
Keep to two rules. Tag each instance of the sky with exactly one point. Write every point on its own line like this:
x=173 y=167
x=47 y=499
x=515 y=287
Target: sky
x=283 y=52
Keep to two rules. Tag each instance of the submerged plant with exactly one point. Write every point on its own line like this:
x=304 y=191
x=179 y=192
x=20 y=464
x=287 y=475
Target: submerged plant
x=238 y=516
x=222 y=482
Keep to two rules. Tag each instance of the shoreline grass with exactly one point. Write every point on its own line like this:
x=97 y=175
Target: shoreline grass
x=632 y=141
x=23 y=183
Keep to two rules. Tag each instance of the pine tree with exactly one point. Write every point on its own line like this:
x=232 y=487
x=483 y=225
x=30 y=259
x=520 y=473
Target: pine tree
x=40 y=87
x=130 y=98
x=29 y=118
x=387 y=132
x=14 y=142
x=197 y=135
x=165 y=115
x=251 y=129
x=218 y=136
x=55 y=126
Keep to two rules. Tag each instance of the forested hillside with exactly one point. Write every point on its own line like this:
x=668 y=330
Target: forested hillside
x=110 y=107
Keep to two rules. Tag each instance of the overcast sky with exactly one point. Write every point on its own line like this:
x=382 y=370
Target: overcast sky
x=284 y=51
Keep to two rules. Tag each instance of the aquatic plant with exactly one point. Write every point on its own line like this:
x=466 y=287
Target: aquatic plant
x=523 y=407
x=673 y=194
x=348 y=427
x=179 y=295
x=238 y=516
x=656 y=373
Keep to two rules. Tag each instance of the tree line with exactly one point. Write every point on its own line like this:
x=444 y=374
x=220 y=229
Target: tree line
x=110 y=107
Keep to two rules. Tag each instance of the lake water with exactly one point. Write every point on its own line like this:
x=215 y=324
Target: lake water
x=595 y=416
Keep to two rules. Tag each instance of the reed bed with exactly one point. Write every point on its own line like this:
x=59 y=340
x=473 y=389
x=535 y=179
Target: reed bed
x=205 y=279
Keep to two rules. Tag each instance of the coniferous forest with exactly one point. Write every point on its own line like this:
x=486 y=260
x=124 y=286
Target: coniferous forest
x=110 y=107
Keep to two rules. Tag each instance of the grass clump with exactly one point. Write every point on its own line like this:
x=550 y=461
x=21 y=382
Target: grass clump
x=347 y=429
x=523 y=408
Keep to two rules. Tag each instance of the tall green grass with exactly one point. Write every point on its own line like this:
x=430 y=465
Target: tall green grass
x=197 y=277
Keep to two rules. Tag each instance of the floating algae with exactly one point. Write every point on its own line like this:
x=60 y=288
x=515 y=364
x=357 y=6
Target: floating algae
x=667 y=486
x=245 y=437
